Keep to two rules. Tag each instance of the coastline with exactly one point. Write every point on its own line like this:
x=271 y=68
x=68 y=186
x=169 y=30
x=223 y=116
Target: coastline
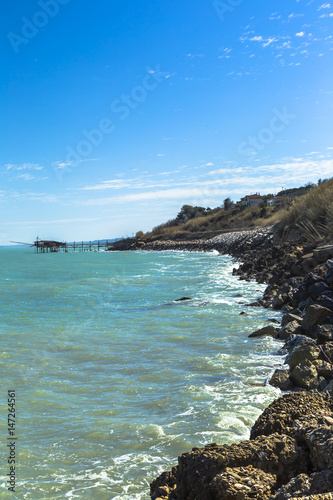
x=292 y=436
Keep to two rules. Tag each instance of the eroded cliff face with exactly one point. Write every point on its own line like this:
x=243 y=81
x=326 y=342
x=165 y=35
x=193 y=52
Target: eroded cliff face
x=289 y=455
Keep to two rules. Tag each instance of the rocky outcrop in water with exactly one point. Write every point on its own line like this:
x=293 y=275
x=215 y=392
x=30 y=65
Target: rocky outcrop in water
x=289 y=455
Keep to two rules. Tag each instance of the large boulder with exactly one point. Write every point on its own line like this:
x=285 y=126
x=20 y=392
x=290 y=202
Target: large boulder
x=312 y=279
x=327 y=351
x=292 y=328
x=317 y=289
x=321 y=254
x=324 y=333
x=265 y=331
x=280 y=379
x=323 y=368
x=305 y=376
x=314 y=315
x=300 y=355
x=308 y=263
x=302 y=486
x=164 y=485
x=278 y=455
x=279 y=416
x=289 y=317
x=291 y=448
x=295 y=343
x=326 y=301
x=320 y=443
x=243 y=483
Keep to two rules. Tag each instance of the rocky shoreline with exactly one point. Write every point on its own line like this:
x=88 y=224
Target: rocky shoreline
x=290 y=451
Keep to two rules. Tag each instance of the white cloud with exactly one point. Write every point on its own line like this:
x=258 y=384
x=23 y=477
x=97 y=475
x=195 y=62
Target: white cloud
x=325 y=6
x=59 y=165
x=25 y=177
x=293 y=16
x=229 y=180
x=48 y=222
x=23 y=166
x=300 y=34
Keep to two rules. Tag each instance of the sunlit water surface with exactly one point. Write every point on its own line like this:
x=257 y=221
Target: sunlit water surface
x=113 y=378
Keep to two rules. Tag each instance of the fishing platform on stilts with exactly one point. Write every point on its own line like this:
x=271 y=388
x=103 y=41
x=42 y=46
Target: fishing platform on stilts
x=46 y=246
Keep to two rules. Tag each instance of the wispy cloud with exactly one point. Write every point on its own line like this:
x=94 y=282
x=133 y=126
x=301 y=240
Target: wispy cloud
x=324 y=6
x=24 y=166
x=25 y=177
x=226 y=180
x=49 y=222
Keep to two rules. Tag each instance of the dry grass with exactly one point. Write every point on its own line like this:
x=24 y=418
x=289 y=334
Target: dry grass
x=313 y=212
x=220 y=220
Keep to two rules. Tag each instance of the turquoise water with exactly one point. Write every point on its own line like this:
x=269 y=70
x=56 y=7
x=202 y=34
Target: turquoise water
x=113 y=378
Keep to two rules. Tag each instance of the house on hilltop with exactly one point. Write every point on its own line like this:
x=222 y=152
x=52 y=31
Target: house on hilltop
x=277 y=200
x=251 y=200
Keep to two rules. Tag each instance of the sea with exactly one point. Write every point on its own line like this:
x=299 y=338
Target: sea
x=113 y=378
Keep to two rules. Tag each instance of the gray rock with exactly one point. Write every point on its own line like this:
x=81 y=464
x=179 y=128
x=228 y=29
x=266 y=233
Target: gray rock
x=265 y=331
x=278 y=301
x=328 y=350
x=323 y=368
x=324 y=333
x=314 y=315
x=329 y=387
x=308 y=352
x=312 y=278
x=244 y=483
x=280 y=379
x=302 y=486
x=326 y=301
x=288 y=318
x=320 y=443
x=304 y=375
x=321 y=254
x=274 y=320
x=317 y=289
x=309 y=264
x=289 y=329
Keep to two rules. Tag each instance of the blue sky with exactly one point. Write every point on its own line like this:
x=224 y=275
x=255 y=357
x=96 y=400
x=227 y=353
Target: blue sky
x=115 y=114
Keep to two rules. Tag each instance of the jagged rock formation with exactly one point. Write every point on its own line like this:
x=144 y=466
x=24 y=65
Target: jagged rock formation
x=289 y=455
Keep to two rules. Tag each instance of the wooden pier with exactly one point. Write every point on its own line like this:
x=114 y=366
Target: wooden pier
x=46 y=246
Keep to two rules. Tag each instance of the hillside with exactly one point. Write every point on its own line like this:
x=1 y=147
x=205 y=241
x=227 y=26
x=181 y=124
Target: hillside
x=307 y=210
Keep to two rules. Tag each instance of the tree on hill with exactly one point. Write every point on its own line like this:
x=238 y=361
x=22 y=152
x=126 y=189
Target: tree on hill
x=227 y=204
x=188 y=212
